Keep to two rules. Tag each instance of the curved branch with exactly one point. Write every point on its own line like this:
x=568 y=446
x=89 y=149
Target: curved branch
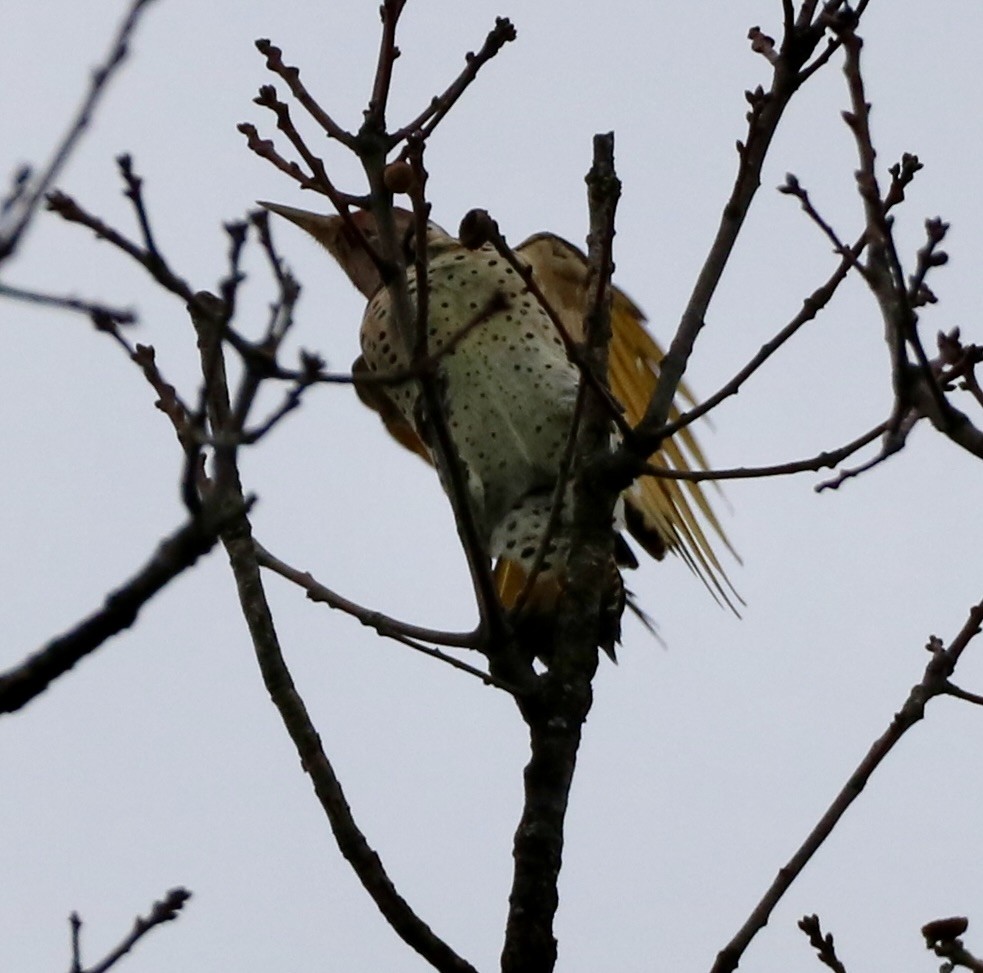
x=241 y=548
x=383 y=624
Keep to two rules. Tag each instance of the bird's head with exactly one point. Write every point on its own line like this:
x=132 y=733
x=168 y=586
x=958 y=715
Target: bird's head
x=336 y=235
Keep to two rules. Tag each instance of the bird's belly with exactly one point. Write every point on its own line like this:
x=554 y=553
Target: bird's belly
x=507 y=385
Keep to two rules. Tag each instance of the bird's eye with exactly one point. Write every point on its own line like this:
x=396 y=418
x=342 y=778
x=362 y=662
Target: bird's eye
x=408 y=244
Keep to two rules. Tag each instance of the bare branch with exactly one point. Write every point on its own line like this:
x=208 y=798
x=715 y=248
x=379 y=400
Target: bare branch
x=404 y=632
x=291 y=75
x=555 y=714
x=914 y=386
x=440 y=105
x=69 y=210
x=824 y=460
x=792 y=187
x=383 y=624
x=767 y=109
x=175 y=554
x=375 y=116
x=25 y=202
x=412 y=323
x=823 y=945
x=164 y=910
x=319 y=179
x=895 y=436
x=934 y=682
x=101 y=314
x=478 y=228
x=903 y=173
x=238 y=542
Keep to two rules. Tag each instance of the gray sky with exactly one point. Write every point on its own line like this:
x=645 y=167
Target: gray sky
x=160 y=762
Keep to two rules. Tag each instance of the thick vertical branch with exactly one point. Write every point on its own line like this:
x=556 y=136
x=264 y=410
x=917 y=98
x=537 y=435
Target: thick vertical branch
x=556 y=713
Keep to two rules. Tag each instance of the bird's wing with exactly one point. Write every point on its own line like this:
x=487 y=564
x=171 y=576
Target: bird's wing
x=662 y=514
x=374 y=395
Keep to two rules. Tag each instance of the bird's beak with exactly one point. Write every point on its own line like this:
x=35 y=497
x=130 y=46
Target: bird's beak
x=332 y=234
x=323 y=228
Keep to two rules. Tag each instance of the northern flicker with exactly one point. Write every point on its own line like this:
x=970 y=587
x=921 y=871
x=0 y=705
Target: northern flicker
x=508 y=392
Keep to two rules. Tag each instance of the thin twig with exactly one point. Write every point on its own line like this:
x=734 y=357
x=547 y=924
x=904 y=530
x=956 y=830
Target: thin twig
x=291 y=76
x=832 y=43
x=28 y=201
x=478 y=228
x=70 y=210
x=386 y=626
x=555 y=714
x=792 y=187
x=412 y=321
x=238 y=542
x=164 y=910
x=903 y=173
x=383 y=624
x=440 y=105
x=95 y=310
x=375 y=116
x=823 y=945
x=823 y=460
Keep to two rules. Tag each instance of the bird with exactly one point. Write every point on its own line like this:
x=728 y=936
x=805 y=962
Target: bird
x=508 y=388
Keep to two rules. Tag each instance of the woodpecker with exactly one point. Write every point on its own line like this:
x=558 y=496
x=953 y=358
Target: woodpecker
x=508 y=389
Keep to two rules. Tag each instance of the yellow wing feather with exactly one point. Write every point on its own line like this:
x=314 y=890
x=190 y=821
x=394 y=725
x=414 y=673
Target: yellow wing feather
x=676 y=511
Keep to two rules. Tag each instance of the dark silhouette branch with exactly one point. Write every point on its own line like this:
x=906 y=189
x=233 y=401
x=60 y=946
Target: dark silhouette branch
x=478 y=228
x=916 y=385
x=383 y=624
x=822 y=461
x=69 y=210
x=375 y=115
x=555 y=714
x=934 y=682
x=99 y=313
x=767 y=109
x=20 y=208
x=902 y=175
x=823 y=945
x=440 y=105
x=291 y=77
x=174 y=555
x=238 y=542
x=164 y=910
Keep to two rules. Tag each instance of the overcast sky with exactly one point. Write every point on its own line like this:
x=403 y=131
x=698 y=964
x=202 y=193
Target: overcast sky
x=161 y=762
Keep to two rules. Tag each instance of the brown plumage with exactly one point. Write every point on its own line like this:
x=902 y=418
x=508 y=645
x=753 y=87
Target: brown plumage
x=509 y=390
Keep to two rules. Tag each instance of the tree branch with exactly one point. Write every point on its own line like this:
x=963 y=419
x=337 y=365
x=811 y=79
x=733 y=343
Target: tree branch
x=164 y=910
x=766 y=112
x=241 y=549
x=815 y=463
x=175 y=554
x=934 y=682
x=383 y=624
x=30 y=191
x=440 y=105
x=556 y=713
